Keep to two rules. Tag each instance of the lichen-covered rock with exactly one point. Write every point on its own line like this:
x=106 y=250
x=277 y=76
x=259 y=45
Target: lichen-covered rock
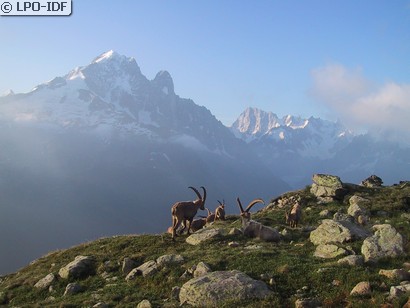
x=327 y=187
x=81 y=267
x=353 y=260
x=331 y=231
x=203 y=235
x=45 y=282
x=386 y=242
x=202 y=269
x=214 y=288
x=149 y=268
x=329 y=251
x=358 y=209
x=169 y=259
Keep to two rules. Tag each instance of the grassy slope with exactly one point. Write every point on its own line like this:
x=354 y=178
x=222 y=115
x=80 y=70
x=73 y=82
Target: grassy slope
x=290 y=263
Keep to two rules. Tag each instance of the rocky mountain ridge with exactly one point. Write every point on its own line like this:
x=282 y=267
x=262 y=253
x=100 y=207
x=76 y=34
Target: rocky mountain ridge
x=332 y=258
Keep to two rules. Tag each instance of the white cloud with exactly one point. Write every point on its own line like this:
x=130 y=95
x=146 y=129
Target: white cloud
x=382 y=109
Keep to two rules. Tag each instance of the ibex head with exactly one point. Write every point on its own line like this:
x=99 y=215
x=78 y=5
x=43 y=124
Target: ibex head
x=245 y=215
x=201 y=200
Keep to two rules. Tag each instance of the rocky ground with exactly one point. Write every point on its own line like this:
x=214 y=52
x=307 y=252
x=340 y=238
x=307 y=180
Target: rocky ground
x=350 y=249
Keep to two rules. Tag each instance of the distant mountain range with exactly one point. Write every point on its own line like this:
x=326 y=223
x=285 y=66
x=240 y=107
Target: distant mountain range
x=103 y=150
x=295 y=148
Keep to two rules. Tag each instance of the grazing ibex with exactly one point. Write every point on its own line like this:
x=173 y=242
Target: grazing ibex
x=294 y=215
x=184 y=211
x=253 y=228
x=218 y=215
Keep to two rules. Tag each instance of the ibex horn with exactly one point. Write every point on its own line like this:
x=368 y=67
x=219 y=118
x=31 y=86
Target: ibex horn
x=252 y=203
x=196 y=191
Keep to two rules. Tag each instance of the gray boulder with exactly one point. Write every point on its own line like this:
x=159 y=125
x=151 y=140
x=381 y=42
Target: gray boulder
x=81 y=267
x=45 y=282
x=372 y=182
x=353 y=260
x=169 y=259
x=386 y=242
x=358 y=208
x=128 y=265
x=329 y=251
x=214 y=288
x=327 y=187
x=73 y=288
x=397 y=291
x=147 y=269
x=331 y=231
x=203 y=235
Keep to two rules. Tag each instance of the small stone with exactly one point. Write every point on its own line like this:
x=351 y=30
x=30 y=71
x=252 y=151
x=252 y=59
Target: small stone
x=144 y=304
x=233 y=244
x=73 y=288
x=101 y=305
x=235 y=231
x=202 y=269
x=353 y=260
x=361 y=289
x=307 y=303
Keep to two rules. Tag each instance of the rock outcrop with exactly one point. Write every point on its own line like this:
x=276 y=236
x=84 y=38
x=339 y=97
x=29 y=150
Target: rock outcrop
x=203 y=235
x=331 y=231
x=81 y=267
x=386 y=242
x=216 y=287
x=372 y=182
x=327 y=188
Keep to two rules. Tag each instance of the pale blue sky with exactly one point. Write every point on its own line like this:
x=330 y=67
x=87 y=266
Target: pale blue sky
x=332 y=59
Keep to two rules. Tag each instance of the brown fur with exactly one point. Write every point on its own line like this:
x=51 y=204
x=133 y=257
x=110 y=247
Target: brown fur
x=183 y=212
x=293 y=217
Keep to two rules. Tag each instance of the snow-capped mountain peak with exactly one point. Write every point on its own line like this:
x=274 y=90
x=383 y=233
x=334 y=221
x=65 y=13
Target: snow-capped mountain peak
x=311 y=137
x=106 y=55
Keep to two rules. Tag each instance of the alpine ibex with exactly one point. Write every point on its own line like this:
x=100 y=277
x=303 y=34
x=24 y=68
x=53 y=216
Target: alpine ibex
x=253 y=228
x=184 y=211
x=294 y=215
x=220 y=211
x=218 y=215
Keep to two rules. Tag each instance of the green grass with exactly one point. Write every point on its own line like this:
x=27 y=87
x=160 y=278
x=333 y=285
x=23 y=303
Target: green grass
x=290 y=264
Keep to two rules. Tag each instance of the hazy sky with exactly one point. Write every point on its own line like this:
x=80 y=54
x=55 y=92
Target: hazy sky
x=333 y=59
